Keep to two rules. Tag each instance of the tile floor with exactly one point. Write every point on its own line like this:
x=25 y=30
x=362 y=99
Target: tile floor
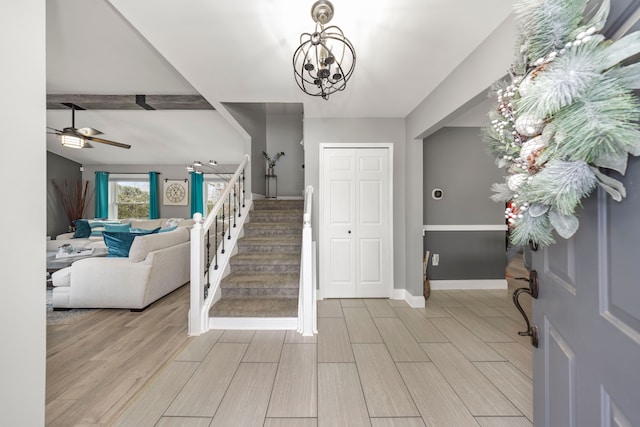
x=375 y=362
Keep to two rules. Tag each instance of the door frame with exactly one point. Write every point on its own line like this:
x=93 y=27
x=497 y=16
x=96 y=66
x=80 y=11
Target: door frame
x=321 y=199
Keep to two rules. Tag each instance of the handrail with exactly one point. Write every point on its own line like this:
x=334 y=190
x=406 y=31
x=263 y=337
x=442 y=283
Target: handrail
x=205 y=272
x=307 y=307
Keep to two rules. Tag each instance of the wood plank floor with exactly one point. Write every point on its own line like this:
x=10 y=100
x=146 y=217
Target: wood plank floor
x=457 y=362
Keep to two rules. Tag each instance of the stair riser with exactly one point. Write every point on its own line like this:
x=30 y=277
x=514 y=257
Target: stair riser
x=252 y=293
x=265 y=268
x=278 y=249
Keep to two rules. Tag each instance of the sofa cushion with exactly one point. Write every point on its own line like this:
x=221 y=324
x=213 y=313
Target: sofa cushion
x=143 y=231
x=148 y=224
x=117 y=227
x=118 y=243
x=142 y=245
x=83 y=230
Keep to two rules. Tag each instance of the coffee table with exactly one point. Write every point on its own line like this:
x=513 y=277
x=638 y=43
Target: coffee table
x=54 y=264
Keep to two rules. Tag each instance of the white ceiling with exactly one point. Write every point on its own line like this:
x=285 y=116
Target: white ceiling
x=240 y=51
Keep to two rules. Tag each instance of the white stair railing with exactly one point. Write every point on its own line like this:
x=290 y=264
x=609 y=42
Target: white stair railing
x=307 y=306
x=212 y=241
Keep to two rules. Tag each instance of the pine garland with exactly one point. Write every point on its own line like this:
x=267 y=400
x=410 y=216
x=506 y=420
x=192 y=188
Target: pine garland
x=567 y=111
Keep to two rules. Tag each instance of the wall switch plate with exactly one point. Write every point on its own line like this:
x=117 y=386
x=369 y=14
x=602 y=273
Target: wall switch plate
x=435 y=260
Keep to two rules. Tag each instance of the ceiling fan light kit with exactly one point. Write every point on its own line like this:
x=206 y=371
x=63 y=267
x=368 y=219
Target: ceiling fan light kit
x=72 y=141
x=71 y=137
x=325 y=59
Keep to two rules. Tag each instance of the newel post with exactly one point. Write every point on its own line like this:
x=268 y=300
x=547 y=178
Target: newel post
x=197 y=325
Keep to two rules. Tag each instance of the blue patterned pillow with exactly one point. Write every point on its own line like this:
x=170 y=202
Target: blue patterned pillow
x=118 y=243
x=83 y=230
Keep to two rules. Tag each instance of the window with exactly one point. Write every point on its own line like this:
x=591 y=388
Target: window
x=129 y=196
x=212 y=190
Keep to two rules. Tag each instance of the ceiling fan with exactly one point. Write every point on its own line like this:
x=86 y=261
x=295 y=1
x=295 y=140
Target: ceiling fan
x=78 y=138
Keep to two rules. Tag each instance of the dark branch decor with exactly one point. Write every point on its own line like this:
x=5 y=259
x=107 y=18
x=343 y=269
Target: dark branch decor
x=75 y=197
x=565 y=118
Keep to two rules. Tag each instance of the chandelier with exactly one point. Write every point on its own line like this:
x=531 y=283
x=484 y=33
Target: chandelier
x=325 y=59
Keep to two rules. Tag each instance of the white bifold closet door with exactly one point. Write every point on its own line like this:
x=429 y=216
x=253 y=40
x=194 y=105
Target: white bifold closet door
x=356 y=223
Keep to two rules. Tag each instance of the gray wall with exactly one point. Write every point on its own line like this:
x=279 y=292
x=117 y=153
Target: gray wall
x=60 y=169
x=253 y=118
x=456 y=161
x=284 y=133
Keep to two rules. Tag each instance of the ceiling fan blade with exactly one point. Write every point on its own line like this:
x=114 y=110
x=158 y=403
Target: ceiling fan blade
x=57 y=130
x=106 y=141
x=88 y=131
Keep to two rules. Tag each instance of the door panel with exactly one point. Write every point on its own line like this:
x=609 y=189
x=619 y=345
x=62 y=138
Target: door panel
x=560 y=381
x=370 y=262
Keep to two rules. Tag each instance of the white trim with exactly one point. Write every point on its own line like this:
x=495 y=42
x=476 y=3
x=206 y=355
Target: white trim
x=413 y=301
x=254 y=323
x=447 y=285
x=465 y=227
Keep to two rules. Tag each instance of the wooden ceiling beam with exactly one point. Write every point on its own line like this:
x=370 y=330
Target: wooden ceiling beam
x=128 y=102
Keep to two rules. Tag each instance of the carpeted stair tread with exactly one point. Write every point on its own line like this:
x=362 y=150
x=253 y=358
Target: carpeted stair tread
x=293 y=215
x=270 y=240
x=255 y=307
x=273 y=244
x=265 y=259
x=273 y=280
x=264 y=204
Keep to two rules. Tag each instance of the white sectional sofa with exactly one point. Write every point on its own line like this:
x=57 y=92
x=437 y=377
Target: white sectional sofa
x=97 y=241
x=157 y=265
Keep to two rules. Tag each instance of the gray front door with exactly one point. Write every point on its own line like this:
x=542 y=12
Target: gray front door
x=587 y=365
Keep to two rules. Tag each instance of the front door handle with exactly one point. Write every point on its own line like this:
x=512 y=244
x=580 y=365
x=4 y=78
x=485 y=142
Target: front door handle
x=532 y=330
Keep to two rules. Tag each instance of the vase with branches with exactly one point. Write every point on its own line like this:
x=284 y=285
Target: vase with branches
x=74 y=196
x=271 y=162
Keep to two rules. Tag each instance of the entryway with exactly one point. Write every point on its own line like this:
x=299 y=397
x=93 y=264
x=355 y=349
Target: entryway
x=356 y=220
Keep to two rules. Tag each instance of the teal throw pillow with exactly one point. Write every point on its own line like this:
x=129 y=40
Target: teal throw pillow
x=118 y=227
x=143 y=231
x=164 y=230
x=83 y=230
x=118 y=243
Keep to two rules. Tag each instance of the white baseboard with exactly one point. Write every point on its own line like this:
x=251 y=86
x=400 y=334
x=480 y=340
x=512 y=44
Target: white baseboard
x=254 y=323
x=413 y=301
x=448 y=285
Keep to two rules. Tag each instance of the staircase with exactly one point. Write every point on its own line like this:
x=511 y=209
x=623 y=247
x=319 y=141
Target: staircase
x=265 y=273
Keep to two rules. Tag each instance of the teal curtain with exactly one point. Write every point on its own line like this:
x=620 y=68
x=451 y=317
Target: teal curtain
x=154 y=203
x=102 y=194
x=197 y=192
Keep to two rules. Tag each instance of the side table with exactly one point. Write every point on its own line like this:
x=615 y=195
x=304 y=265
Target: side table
x=268 y=179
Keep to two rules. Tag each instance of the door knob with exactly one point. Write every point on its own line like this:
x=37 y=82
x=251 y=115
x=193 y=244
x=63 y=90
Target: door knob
x=349 y=231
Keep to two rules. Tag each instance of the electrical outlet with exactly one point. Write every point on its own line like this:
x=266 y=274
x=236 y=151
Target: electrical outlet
x=435 y=260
